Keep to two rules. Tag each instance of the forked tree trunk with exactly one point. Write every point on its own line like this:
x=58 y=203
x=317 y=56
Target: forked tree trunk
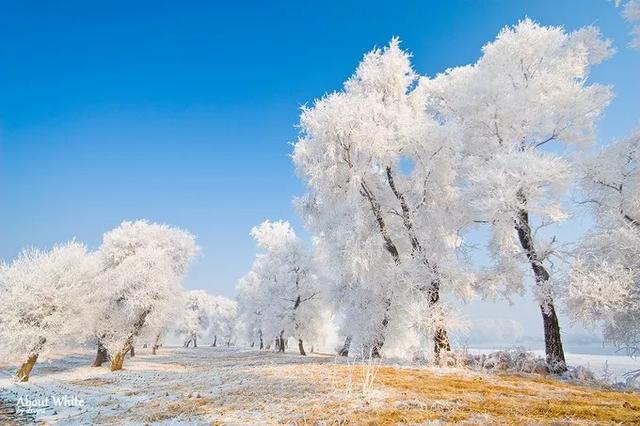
x=552 y=339
x=440 y=337
x=117 y=361
x=22 y=375
x=101 y=355
x=301 y=347
x=344 y=351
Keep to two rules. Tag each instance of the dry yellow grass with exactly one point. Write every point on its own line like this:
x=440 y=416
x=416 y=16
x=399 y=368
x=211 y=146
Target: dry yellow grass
x=416 y=396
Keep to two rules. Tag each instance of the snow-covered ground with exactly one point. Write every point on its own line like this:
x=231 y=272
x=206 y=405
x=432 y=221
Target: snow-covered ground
x=240 y=386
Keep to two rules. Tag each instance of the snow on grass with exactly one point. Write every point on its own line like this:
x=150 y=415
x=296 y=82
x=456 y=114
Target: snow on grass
x=235 y=386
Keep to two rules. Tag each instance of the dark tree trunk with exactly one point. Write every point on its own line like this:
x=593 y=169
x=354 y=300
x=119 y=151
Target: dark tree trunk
x=101 y=355
x=156 y=345
x=215 y=341
x=132 y=352
x=376 y=349
x=260 y=336
x=344 y=351
x=440 y=337
x=301 y=347
x=281 y=345
x=195 y=341
x=552 y=339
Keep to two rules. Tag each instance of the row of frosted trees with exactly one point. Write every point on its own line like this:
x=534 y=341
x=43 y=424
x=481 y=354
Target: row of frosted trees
x=129 y=290
x=411 y=179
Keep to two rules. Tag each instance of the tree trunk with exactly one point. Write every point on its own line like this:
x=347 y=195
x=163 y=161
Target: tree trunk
x=22 y=375
x=440 y=337
x=101 y=355
x=132 y=352
x=260 y=336
x=215 y=341
x=301 y=347
x=118 y=360
x=195 y=341
x=344 y=351
x=281 y=345
x=156 y=344
x=552 y=339
x=376 y=349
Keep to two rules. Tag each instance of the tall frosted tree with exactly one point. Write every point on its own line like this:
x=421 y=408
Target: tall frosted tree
x=141 y=284
x=195 y=321
x=604 y=281
x=515 y=109
x=392 y=230
x=284 y=285
x=44 y=305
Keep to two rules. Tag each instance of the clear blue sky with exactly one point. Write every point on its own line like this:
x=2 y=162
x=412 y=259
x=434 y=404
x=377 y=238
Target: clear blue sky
x=183 y=112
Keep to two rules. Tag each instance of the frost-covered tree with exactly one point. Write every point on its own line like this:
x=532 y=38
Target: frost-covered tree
x=141 y=284
x=604 y=281
x=250 y=308
x=283 y=279
x=525 y=99
x=631 y=12
x=223 y=319
x=44 y=304
x=390 y=231
x=195 y=317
